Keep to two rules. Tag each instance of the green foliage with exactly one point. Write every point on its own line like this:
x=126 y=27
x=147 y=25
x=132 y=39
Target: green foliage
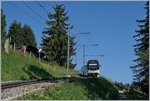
x=16 y=66
x=16 y=33
x=28 y=35
x=21 y=35
x=120 y=86
x=141 y=69
x=54 y=40
x=136 y=95
x=3 y=32
x=131 y=93
x=88 y=89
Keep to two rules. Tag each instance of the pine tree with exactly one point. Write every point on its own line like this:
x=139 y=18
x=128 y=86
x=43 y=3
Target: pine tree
x=141 y=70
x=16 y=33
x=3 y=32
x=54 y=40
x=21 y=35
x=28 y=35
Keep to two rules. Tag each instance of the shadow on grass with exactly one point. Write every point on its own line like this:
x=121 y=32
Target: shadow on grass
x=35 y=72
x=135 y=95
x=100 y=88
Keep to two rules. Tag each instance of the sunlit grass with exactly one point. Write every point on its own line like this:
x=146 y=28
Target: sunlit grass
x=89 y=89
x=16 y=66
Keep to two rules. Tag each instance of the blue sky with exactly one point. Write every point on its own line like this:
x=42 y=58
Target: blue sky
x=111 y=24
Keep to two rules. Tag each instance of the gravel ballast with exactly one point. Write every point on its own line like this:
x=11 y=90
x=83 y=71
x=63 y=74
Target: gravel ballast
x=15 y=92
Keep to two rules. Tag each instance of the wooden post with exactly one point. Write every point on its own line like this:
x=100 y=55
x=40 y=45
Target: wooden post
x=14 y=46
x=6 y=46
x=30 y=54
x=24 y=50
x=10 y=45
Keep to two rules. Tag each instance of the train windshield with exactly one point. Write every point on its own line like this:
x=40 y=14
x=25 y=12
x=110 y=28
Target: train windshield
x=93 y=64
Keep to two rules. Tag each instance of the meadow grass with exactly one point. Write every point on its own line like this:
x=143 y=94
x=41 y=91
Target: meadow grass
x=84 y=89
x=136 y=95
x=16 y=66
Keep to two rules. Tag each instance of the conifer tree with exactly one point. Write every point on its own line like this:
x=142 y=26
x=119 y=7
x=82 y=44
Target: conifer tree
x=16 y=33
x=28 y=36
x=3 y=32
x=141 y=69
x=54 y=40
x=21 y=35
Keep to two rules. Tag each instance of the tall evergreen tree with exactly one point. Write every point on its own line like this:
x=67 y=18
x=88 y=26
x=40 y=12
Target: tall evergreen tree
x=54 y=40
x=21 y=35
x=28 y=35
x=3 y=32
x=141 y=69
x=16 y=33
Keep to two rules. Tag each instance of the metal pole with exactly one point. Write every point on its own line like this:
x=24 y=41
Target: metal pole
x=75 y=58
x=68 y=53
x=83 y=55
x=39 y=56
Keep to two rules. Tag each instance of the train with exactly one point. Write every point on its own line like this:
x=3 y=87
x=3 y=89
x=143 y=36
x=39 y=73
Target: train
x=92 y=68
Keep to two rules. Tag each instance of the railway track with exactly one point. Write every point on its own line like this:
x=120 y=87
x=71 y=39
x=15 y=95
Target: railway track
x=6 y=85
x=15 y=89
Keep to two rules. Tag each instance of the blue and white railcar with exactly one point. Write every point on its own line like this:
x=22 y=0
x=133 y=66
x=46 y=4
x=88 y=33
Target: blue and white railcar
x=91 y=68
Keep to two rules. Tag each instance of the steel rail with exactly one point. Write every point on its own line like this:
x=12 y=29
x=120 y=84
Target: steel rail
x=12 y=84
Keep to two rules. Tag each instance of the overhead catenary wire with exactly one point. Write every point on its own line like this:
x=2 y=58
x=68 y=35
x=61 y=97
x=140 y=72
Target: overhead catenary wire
x=33 y=10
x=26 y=13
x=96 y=55
x=81 y=31
x=85 y=45
x=42 y=7
x=78 y=40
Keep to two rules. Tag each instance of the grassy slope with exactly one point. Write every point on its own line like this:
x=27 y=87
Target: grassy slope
x=91 y=89
x=16 y=66
x=136 y=95
x=133 y=94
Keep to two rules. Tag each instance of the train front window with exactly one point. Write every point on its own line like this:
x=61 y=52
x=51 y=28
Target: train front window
x=93 y=65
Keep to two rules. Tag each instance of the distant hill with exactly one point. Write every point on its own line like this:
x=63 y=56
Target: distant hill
x=16 y=66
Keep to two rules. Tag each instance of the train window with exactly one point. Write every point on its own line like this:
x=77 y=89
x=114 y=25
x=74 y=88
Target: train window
x=93 y=64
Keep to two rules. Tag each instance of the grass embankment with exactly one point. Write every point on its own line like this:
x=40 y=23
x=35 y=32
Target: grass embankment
x=133 y=94
x=136 y=95
x=16 y=66
x=88 y=89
